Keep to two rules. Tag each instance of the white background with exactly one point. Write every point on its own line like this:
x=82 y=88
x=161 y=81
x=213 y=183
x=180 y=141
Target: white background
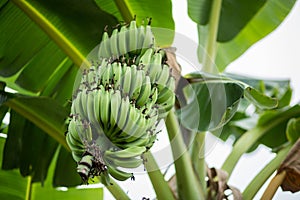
x=276 y=56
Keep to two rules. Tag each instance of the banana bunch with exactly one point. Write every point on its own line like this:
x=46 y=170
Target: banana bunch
x=118 y=104
x=126 y=43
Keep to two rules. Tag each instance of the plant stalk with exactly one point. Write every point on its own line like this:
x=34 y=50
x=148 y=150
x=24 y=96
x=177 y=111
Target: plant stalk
x=29 y=188
x=117 y=191
x=198 y=159
x=256 y=183
x=273 y=186
x=211 y=43
x=159 y=184
x=188 y=186
x=124 y=10
x=248 y=139
x=64 y=43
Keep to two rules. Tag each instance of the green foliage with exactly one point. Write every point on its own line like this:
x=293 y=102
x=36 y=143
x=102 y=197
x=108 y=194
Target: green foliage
x=239 y=25
x=293 y=130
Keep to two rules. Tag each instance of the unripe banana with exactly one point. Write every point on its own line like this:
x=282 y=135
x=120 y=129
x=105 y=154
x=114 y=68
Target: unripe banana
x=123 y=40
x=133 y=37
x=116 y=100
x=125 y=162
x=156 y=66
x=105 y=109
x=149 y=39
x=126 y=153
x=117 y=75
x=104 y=47
x=117 y=106
x=145 y=60
x=118 y=174
x=144 y=93
x=163 y=77
x=114 y=47
x=141 y=37
x=126 y=81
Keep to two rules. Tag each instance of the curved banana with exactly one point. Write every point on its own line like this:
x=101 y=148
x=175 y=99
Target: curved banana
x=114 y=47
x=126 y=83
x=145 y=92
x=140 y=38
x=123 y=40
x=145 y=60
x=132 y=37
x=163 y=77
x=156 y=66
x=105 y=108
x=149 y=39
x=125 y=162
x=117 y=75
x=118 y=174
x=116 y=100
x=126 y=153
x=104 y=48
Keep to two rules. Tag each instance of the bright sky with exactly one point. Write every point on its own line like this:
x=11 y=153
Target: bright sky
x=276 y=56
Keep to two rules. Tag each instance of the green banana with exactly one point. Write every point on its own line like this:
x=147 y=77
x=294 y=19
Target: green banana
x=163 y=77
x=164 y=95
x=145 y=92
x=124 y=110
x=139 y=82
x=122 y=40
x=132 y=37
x=117 y=75
x=116 y=100
x=149 y=39
x=166 y=107
x=125 y=162
x=118 y=174
x=104 y=47
x=141 y=37
x=114 y=47
x=105 y=108
x=138 y=130
x=145 y=60
x=156 y=67
x=107 y=76
x=126 y=153
x=132 y=120
x=126 y=81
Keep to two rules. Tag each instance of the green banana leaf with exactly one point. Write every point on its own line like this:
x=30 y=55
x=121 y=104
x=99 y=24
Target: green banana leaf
x=12 y=184
x=242 y=23
x=35 y=55
x=160 y=11
x=293 y=130
x=15 y=187
x=212 y=100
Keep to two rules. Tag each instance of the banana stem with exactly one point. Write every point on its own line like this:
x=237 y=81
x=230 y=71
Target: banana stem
x=188 y=186
x=198 y=159
x=124 y=10
x=117 y=191
x=241 y=147
x=28 y=189
x=159 y=184
x=211 y=43
x=264 y=174
x=273 y=186
x=247 y=140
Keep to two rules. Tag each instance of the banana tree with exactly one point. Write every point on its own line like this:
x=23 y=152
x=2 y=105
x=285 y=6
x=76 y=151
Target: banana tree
x=90 y=82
